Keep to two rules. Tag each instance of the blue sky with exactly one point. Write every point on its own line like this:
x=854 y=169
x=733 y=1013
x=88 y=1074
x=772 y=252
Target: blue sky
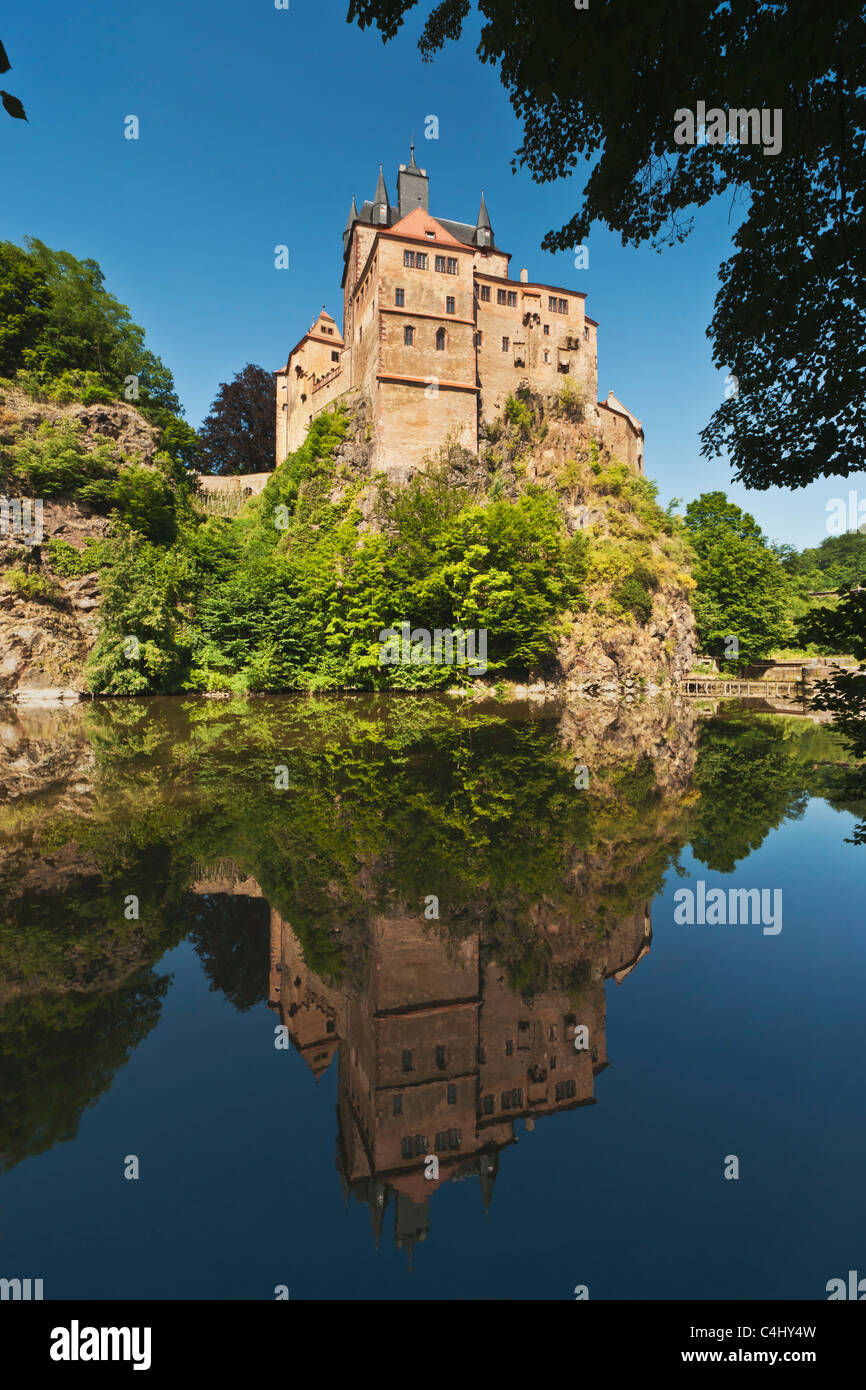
x=256 y=127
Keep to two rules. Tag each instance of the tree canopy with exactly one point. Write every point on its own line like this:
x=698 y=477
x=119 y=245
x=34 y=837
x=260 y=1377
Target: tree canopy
x=57 y=317
x=604 y=85
x=743 y=590
x=239 y=435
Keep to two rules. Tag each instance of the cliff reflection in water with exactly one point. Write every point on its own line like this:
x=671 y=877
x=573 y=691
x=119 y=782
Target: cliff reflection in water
x=311 y=900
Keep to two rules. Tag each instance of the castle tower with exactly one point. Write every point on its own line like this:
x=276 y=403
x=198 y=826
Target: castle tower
x=436 y=337
x=413 y=186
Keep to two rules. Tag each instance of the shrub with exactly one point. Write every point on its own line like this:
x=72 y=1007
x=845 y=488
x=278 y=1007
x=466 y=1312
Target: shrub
x=569 y=403
x=40 y=588
x=70 y=563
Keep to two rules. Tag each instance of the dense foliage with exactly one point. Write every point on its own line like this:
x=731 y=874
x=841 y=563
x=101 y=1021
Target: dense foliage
x=839 y=562
x=743 y=592
x=64 y=336
x=297 y=592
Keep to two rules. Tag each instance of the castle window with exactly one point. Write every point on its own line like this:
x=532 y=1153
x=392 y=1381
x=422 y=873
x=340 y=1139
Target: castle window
x=489 y=1105
x=449 y=304
x=509 y=1047
x=408 y=336
x=552 y=1063
x=585 y=331
x=452 y=265
x=406 y=1148
x=398 y=1105
x=479 y=338
x=420 y=1143
x=441 y=1140
x=335 y=357
x=440 y=1057
x=431 y=235
x=440 y=264
x=500 y=297
x=400 y=298
x=408 y=1064
x=505 y=344
x=563 y=306
x=421 y=260
x=546 y=356
x=485 y=294
x=452 y=1095
x=329 y=1025
x=408 y=257
x=512 y=299
x=454 y=1138
x=547 y=330
x=551 y=303
x=440 y=339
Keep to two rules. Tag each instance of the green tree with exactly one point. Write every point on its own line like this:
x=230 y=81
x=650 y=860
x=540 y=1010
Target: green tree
x=240 y=432
x=743 y=590
x=58 y=320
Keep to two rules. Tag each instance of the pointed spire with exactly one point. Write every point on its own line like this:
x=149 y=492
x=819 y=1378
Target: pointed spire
x=353 y=214
x=483 y=215
x=381 y=194
x=412 y=165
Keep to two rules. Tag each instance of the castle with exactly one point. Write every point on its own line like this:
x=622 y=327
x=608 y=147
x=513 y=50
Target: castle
x=436 y=336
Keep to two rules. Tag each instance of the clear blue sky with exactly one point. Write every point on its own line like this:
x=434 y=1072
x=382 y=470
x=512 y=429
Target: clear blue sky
x=256 y=127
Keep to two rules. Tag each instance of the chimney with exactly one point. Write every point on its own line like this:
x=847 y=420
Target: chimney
x=524 y=276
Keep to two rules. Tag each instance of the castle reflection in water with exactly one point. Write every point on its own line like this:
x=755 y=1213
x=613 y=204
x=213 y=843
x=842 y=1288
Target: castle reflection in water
x=437 y=1054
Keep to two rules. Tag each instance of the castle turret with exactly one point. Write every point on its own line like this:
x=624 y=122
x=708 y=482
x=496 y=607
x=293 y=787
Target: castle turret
x=483 y=229
x=350 y=222
x=381 y=205
x=413 y=186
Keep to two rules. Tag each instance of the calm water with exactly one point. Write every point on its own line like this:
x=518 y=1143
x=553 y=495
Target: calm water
x=220 y=953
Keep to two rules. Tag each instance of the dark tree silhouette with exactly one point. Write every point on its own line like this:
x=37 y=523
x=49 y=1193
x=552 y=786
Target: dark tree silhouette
x=239 y=434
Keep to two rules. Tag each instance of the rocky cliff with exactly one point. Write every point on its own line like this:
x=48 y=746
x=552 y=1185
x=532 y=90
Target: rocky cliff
x=48 y=628
x=633 y=631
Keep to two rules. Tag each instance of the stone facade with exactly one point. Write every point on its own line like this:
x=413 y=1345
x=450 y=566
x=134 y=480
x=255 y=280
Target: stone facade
x=436 y=336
